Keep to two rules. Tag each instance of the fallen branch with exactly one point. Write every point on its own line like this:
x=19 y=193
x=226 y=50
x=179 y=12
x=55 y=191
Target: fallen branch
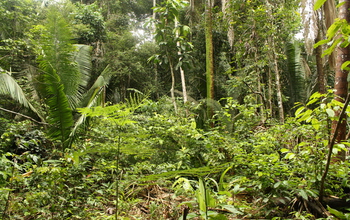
x=24 y=116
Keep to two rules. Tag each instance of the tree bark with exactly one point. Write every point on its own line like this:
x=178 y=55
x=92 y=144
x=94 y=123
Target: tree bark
x=172 y=93
x=270 y=102
x=209 y=55
x=340 y=79
x=319 y=60
x=279 y=91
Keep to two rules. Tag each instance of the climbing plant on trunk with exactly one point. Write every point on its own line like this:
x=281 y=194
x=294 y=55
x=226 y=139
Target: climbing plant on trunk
x=209 y=54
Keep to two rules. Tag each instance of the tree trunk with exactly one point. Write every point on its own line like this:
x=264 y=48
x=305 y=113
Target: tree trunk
x=278 y=80
x=273 y=56
x=225 y=4
x=270 y=105
x=183 y=83
x=182 y=72
x=209 y=55
x=279 y=91
x=155 y=65
x=340 y=79
x=319 y=60
x=172 y=90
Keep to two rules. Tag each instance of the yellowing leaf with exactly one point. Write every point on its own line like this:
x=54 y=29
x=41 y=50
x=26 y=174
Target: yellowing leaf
x=330 y=112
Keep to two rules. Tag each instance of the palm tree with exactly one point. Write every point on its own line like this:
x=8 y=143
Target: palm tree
x=63 y=74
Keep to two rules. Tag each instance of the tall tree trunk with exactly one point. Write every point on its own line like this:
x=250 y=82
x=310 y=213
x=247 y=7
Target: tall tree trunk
x=279 y=90
x=155 y=65
x=172 y=90
x=340 y=79
x=209 y=52
x=270 y=105
x=319 y=60
x=182 y=72
x=277 y=79
x=183 y=83
x=225 y=4
x=276 y=69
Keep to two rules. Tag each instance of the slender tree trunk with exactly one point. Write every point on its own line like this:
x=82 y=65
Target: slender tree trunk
x=279 y=91
x=183 y=83
x=155 y=65
x=276 y=70
x=278 y=81
x=340 y=79
x=182 y=72
x=319 y=60
x=270 y=94
x=172 y=90
x=209 y=55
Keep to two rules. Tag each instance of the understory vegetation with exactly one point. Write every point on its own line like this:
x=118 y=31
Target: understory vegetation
x=142 y=161
x=174 y=109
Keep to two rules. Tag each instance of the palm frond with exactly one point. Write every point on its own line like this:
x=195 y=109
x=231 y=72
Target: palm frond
x=101 y=81
x=60 y=113
x=58 y=55
x=293 y=73
x=82 y=56
x=9 y=87
x=60 y=76
x=92 y=97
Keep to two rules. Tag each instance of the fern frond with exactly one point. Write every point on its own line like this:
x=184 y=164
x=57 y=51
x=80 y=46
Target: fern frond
x=136 y=98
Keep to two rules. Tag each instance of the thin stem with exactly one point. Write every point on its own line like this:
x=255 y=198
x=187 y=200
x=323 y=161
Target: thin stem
x=331 y=145
x=117 y=179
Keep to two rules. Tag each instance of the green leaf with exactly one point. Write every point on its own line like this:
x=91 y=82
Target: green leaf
x=290 y=156
x=337 y=213
x=201 y=196
x=232 y=209
x=340 y=4
x=76 y=155
x=321 y=42
x=315 y=123
x=332 y=47
x=284 y=150
x=298 y=111
x=333 y=29
x=303 y=194
x=221 y=181
x=345 y=65
x=312 y=101
x=318 y=4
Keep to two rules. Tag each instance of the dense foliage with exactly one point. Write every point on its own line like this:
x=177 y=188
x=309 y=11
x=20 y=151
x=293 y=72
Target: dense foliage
x=106 y=114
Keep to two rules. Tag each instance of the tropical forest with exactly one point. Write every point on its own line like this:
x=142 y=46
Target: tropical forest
x=174 y=109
